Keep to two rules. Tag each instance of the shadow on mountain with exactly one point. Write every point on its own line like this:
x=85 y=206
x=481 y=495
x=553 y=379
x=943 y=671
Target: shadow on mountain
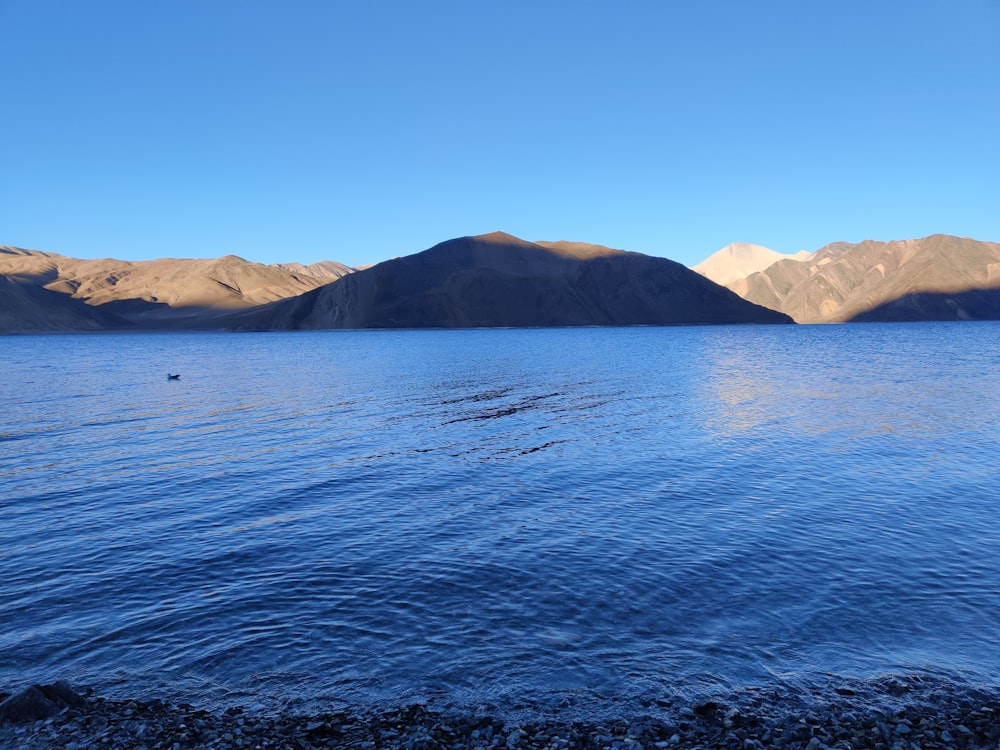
x=26 y=307
x=898 y=280
x=498 y=280
x=487 y=281
x=972 y=304
x=150 y=315
x=47 y=292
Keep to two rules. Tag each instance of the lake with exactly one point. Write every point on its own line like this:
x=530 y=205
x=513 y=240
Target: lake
x=547 y=518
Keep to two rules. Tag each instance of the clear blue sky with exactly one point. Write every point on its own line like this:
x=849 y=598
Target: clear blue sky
x=357 y=130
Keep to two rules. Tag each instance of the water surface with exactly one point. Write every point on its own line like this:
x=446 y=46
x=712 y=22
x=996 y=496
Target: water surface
x=563 y=518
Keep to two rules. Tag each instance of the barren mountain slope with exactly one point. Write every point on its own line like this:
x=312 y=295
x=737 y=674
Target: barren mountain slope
x=26 y=307
x=498 y=280
x=326 y=269
x=161 y=292
x=740 y=259
x=840 y=283
x=577 y=250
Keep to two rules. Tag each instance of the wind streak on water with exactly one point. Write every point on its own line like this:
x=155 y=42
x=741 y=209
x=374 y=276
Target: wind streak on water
x=553 y=515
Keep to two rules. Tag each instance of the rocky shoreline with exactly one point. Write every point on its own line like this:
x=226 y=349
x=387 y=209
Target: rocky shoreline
x=890 y=714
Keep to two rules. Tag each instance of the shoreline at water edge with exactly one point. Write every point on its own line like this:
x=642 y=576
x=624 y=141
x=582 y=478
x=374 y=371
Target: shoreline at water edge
x=893 y=712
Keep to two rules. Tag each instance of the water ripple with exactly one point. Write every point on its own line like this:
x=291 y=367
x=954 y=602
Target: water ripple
x=496 y=516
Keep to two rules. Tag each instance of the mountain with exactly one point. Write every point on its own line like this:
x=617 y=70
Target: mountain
x=26 y=307
x=498 y=280
x=325 y=269
x=578 y=250
x=46 y=291
x=940 y=277
x=739 y=260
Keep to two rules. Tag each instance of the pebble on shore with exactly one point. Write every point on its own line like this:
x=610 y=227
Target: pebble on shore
x=834 y=719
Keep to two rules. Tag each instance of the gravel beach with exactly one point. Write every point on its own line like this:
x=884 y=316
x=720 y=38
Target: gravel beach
x=894 y=713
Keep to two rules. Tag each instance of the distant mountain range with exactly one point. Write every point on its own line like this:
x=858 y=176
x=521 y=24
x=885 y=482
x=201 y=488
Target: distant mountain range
x=485 y=281
x=940 y=277
x=42 y=291
x=499 y=280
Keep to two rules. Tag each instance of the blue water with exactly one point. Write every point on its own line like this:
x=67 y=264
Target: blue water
x=564 y=518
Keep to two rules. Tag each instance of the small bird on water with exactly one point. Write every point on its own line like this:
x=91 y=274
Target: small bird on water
x=173 y=377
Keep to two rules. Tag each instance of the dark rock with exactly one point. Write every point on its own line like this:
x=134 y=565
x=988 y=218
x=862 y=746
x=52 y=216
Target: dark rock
x=39 y=702
x=706 y=709
x=61 y=692
x=779 y=721
x=29 y=704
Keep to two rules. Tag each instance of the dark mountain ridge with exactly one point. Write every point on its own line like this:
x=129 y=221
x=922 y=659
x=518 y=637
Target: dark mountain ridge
x=497 y=280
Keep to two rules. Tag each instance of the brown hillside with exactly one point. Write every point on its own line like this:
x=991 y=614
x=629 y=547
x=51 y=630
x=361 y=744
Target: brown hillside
x=859 y=282
x=169 y=292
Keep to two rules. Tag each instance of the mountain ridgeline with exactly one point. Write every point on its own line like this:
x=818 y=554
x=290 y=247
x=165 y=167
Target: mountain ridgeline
x=42 y=291
x=940 y=277
x=472 y=282
x=739 y=260
x=497 y=280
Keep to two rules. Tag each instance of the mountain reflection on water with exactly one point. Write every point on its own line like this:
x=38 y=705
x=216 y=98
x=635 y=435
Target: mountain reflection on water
x=562 y=516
